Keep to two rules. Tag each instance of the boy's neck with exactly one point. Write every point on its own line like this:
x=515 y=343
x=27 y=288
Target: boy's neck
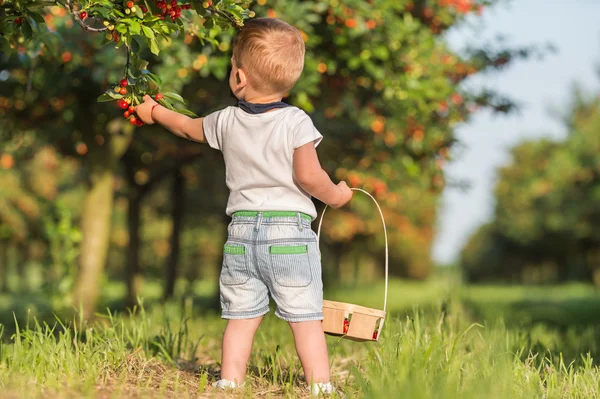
x=260 y=98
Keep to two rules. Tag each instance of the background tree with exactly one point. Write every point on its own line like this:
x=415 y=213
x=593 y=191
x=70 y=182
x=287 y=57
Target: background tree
x=548 y=201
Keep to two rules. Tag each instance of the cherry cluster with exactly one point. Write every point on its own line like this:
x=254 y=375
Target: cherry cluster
x=171 y=9
x=125 y=104
x=129 y=112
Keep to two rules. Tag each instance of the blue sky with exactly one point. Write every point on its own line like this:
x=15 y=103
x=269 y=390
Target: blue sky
x=543 y=87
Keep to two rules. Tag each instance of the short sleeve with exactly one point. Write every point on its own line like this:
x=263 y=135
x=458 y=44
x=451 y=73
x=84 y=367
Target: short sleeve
x=305 y=132
x=213 y=128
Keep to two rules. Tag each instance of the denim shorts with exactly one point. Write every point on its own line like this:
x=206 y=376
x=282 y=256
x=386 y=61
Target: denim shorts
x=271 y=255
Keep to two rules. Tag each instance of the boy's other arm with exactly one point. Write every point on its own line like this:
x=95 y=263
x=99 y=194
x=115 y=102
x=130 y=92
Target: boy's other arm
x=178 y=124
x=315 y=181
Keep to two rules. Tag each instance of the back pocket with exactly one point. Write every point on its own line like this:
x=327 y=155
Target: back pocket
x=291 y=266
x=235 y=265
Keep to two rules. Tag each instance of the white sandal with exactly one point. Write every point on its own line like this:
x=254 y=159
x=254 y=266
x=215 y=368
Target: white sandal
x=322 y=388
x=226 y=384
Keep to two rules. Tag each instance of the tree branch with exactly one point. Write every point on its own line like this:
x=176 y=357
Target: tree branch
x=80 y=21
x=228 y=17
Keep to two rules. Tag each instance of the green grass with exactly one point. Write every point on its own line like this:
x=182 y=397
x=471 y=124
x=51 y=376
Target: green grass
x=441 y=340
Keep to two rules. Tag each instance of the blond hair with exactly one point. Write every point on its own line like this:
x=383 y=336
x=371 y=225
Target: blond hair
x=271 y=52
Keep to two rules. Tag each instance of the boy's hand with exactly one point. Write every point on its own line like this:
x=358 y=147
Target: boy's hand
x=345 y=195
x=144 y=110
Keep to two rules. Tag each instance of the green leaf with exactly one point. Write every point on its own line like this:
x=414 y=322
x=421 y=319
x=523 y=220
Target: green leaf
x=102 y=11
x=26 y=29
x=153 y=77
x=187 y=112
x=148 y=32
x=153 y=8
x=174 y=97
x=154 y=46
x=134 y=27
x=166 y=104
x=36 y=17
x=103 y=98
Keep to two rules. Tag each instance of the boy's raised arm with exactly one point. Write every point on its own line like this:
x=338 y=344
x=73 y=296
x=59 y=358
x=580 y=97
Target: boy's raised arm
x=315 y=181
x=178 y=124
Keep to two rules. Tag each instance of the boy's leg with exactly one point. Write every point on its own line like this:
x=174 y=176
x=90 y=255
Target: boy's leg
x=312 y=350
x=237 y=345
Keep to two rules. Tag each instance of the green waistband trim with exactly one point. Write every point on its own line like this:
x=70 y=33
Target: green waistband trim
x=288 y=250
x=274 y=214
x=234 y=250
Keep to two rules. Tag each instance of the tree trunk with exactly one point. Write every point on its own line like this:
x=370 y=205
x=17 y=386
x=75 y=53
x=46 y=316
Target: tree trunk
x=96 y=220
x=134 y=277
x=177 y=212
x=3 y=266
x=20 y=264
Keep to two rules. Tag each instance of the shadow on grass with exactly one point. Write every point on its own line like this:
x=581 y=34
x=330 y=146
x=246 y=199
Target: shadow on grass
x=26 y=308
x=560 y=313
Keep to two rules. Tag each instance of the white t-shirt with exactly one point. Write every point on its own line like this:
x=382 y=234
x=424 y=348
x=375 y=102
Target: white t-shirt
x=258 y=151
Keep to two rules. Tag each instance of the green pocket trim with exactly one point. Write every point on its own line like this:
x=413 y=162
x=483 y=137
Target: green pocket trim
x=234 y=250
x=288 y=250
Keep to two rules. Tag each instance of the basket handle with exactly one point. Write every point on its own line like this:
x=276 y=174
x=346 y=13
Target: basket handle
x=384 y=233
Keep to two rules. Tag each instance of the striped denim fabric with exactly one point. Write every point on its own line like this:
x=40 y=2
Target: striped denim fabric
x=276 y=256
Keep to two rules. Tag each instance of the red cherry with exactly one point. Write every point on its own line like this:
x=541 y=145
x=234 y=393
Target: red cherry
x=139 y=122
x=144 y=9
x=18 y=21
x=124 y=82
x=133 y=120
x=130 y=4
x=158 y=96
x=131 y=109
x=83 y=15
x=123 y=104
x=126 y=114
x=123 y=91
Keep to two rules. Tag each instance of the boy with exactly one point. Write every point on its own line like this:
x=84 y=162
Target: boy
x=272 y=170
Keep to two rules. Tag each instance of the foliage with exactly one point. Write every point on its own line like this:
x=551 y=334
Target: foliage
x=547 y=211
x=133 y=25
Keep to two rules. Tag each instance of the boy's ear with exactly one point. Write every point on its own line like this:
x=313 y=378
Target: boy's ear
x=241 y=78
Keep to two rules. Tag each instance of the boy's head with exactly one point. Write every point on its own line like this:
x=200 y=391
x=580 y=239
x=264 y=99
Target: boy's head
x=268 y=56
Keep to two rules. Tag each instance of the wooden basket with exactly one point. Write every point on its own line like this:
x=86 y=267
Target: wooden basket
x=350 y=321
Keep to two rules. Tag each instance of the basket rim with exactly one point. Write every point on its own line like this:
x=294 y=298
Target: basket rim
x=353 y=308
